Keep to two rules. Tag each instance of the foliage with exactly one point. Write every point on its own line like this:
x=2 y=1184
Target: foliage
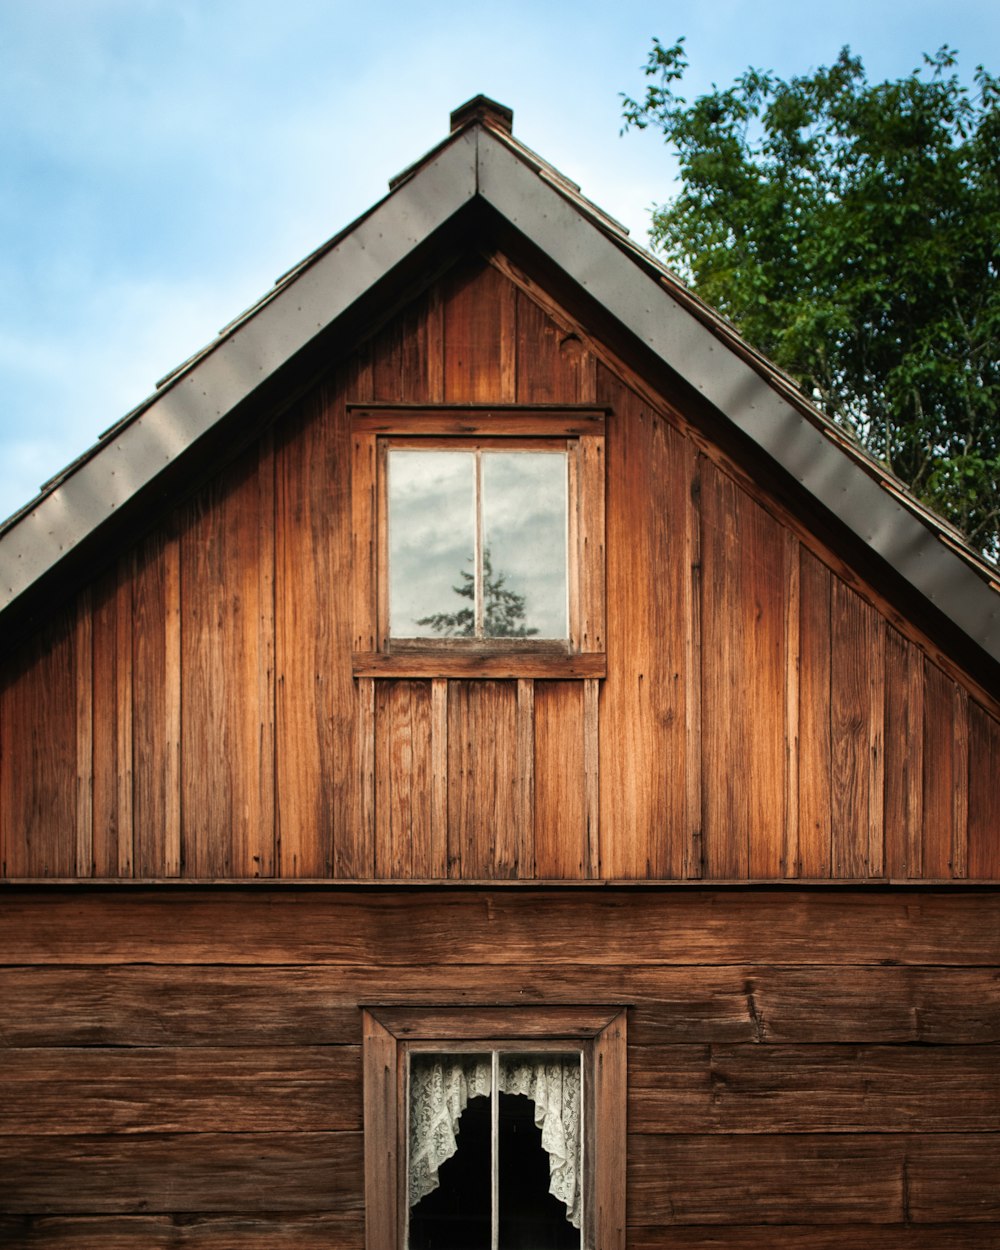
x=851 y=231
x=503 y=609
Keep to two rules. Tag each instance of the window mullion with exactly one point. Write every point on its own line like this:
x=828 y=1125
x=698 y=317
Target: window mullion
x=480 y=632
x=495 y=1153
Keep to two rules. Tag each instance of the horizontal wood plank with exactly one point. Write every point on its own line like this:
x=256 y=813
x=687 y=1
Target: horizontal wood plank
x=496 y=927
x=804 y=1237
x=246 y=1172
x=64 y=1091
x=794 y=1179
x=300 y=1006
x=814 y=1089
x=496 y=664
x=323 y=1231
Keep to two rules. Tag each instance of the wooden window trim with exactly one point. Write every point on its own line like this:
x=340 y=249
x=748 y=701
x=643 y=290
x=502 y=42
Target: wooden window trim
x=581 y=431
x=390 y=1032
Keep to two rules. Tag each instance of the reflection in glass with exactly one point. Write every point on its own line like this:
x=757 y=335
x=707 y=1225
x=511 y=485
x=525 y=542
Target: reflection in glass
x=432 y=535
x=477 y=544
x=524 y=532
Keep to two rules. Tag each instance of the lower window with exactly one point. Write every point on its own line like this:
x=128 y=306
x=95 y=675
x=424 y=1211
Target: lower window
x=495 y=1129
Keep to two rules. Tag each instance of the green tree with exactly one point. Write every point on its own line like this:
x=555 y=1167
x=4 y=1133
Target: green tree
x=503 y=609
x=851 y=231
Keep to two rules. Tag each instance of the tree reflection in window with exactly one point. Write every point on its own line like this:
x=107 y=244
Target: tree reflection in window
x=509 y=509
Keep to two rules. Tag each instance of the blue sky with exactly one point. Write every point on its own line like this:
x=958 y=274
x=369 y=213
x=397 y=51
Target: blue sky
x=163 y=161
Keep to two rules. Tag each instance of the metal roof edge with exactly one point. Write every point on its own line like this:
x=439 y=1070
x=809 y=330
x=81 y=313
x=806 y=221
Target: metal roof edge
x=646 y=308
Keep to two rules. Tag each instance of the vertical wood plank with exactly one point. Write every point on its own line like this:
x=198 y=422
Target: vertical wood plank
x=356 y=850
x=853 y=642
x=983 y=856
x=172 y=678
x=479 y=335
x=561 y=843
x=38 y=753
x=156 y=702
x=939 y=774
x=592 y=774
x=643 y=740
x=84 y=648
x=814 y=836
x=483 y=810
x=112 y=844
x=439 y=778
x=312 y=504
x=403 y=838
x=876 y=747
x=433 y=348
x=900 y=756
x=793 y=618
x=123 y=715
x=260 y=855
x=694 y=866
x=364 y=540
x=960 y=785
x=228 y=816
x=743 y=700
x=526 y=778
x=916 y=686
x=352 y=776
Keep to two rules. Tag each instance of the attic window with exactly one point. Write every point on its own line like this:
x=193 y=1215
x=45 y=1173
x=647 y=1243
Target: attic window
x=479 y=545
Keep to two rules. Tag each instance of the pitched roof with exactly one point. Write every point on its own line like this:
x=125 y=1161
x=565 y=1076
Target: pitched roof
x=481 y=163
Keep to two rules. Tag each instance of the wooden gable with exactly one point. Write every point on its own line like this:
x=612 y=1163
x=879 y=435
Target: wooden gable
x=766 y=715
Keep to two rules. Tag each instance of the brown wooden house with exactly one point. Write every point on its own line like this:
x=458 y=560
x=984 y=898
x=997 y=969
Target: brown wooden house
x=666 y=845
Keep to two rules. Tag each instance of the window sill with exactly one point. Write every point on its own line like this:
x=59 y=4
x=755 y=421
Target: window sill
x=491 y=664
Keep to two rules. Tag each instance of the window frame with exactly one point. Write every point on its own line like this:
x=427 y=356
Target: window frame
x=389 y=1033
x=375 y=429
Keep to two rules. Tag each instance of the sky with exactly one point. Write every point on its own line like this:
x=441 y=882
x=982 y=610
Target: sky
x=162 y=162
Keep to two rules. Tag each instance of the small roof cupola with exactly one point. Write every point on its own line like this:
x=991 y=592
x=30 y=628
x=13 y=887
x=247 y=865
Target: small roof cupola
x=482 y=109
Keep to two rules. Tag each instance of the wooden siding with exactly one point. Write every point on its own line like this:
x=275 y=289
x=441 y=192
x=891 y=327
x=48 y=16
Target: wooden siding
x=806 y=1068
x=765 y=716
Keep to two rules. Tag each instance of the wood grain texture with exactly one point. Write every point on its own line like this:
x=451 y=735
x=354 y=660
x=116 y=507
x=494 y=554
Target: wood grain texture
x=855 y=729
x=984 y=795
x=939 y=780
x=806 y=1237
x=228 y=705
x=311 y=503
x=483 y=808
x=156 y=707
x=385 y=926
x=815 y=818
x=794 y=1179
x=403 y=818
x=185 y=1231
x=561 y=847
x=642 y=738
x=247 y=1172
x=814 y=1089
x=214 y=1006
x=112 y=730
x=479 y=316
x=38 y=751
x=204 y=1089
x=743 y=674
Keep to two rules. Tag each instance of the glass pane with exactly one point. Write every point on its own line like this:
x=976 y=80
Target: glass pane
x=449 y=1182
x=431 y=499
x=524 y=545
x=540 y=1151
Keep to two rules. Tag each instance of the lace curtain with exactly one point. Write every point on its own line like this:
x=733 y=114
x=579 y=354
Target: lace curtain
x=440 y=1089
